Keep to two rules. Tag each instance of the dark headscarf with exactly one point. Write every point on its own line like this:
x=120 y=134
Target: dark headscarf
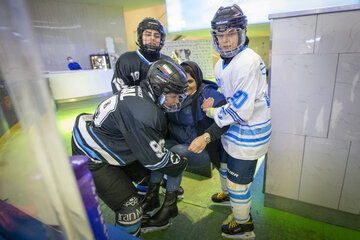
x=194 y=70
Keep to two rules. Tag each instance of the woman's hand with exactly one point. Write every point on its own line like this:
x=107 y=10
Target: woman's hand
x=198 y=144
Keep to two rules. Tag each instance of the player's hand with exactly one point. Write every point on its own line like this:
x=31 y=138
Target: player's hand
x=207 y=103
x=197 y=145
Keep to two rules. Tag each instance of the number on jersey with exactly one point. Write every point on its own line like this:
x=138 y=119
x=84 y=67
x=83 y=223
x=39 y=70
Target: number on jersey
x=104 y=109
x=158 y=148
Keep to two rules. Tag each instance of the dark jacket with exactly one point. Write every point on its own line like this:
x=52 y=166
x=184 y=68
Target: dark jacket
x=191 y=121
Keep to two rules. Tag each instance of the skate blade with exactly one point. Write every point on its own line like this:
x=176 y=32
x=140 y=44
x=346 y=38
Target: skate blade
x=149 y=214
x=153 y=229
x=224 y=204
x=244 y=235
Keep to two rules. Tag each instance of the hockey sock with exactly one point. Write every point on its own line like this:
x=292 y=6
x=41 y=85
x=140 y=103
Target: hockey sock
x=223 y=177
x=240 y=201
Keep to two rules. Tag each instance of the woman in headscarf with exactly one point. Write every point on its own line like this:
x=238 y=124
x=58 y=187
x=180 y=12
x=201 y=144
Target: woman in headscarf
x=184 y=126
x=191 y=121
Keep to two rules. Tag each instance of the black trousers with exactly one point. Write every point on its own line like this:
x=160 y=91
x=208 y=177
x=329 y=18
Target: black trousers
x=114 y=184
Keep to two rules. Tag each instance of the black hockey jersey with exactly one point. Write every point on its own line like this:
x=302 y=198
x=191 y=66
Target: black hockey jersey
x=131 y=68
x=126 y=127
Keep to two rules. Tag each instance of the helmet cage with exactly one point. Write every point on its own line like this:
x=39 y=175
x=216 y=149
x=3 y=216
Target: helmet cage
x=154 y=24
x=231 y=52
x=227 y=18
x=174 y=108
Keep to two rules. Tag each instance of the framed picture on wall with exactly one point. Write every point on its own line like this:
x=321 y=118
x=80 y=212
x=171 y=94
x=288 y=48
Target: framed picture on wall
x=100 y=61
x=199 y=51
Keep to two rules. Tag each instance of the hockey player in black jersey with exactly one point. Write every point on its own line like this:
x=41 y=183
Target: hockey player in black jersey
x=124 y=139
x=132 y=67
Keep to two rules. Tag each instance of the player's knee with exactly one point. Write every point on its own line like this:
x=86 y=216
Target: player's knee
x=179 y=148
x=128 y=216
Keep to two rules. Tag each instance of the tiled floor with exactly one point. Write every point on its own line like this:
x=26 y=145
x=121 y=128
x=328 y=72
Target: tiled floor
x=199 y=219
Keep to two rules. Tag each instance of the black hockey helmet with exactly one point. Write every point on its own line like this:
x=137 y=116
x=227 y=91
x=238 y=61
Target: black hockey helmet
x=166 y=76
x=225 y=19
x=150 y=23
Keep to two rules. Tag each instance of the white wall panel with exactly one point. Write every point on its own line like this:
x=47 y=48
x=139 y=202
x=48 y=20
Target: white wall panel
x=338 y=32
x=284 y=163
x=301 y=93
x=345 y=115
x=323 y=171
x=294 y=35
x=350 y=196
x=349 y=68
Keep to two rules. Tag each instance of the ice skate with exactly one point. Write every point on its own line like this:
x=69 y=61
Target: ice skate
x=221 y=199
x=234 y=230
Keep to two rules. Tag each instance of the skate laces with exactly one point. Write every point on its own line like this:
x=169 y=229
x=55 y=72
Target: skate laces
x=221 y=195
x=233 y=224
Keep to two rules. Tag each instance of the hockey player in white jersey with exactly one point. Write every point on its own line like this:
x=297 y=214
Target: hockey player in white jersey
x=241 y=77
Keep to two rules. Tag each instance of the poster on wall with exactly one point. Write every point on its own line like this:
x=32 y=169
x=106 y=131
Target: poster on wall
x=199 y=51
x=100 y=61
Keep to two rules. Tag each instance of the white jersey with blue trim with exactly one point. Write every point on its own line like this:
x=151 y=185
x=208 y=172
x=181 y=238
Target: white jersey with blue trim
x=243 y=83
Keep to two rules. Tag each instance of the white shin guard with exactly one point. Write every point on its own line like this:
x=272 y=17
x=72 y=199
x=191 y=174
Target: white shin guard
x=240 y=200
